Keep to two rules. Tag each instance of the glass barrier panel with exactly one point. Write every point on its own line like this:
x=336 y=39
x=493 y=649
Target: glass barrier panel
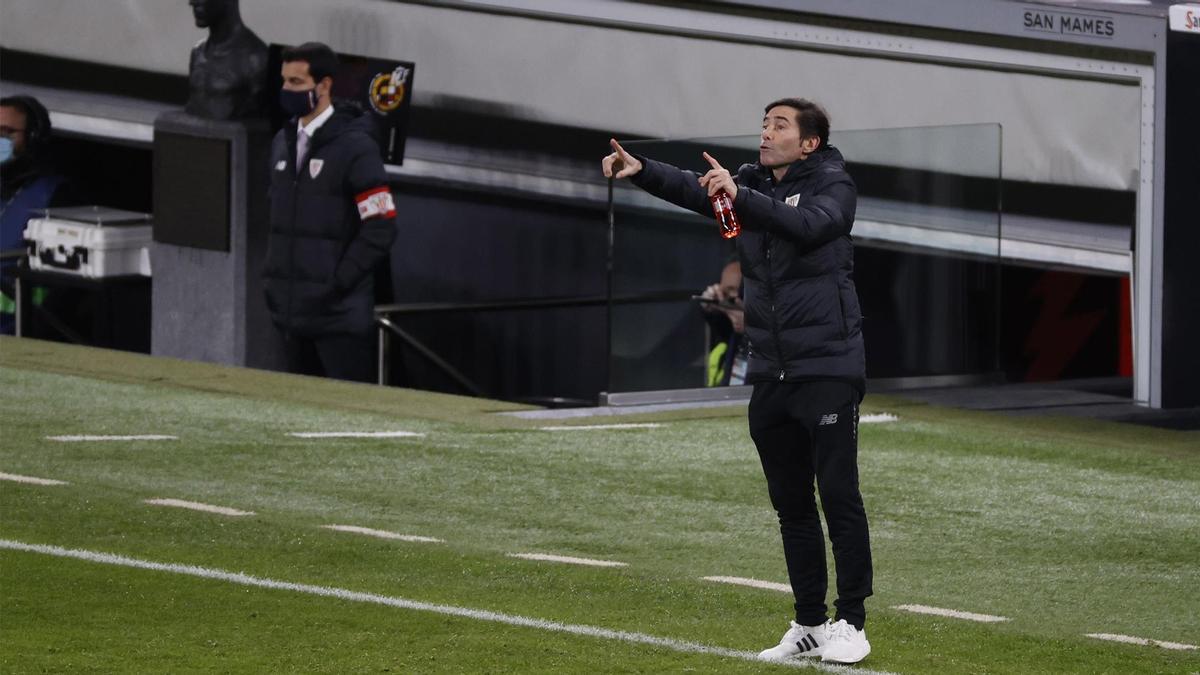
x=927 y=235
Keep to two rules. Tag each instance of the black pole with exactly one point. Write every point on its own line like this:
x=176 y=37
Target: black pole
x=608 y=314
x=998 y=318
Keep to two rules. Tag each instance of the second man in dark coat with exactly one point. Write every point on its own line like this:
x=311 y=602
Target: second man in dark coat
x=332 y=222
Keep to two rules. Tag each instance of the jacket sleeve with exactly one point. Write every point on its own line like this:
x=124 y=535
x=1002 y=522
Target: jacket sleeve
x=817 y=219
x=675 y=185
x=367 y=184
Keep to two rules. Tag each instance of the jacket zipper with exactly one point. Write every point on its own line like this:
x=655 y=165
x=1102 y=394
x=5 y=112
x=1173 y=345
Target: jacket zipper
x=774 y=317
x=771 y=287
x=842 y=310
x=292 y=245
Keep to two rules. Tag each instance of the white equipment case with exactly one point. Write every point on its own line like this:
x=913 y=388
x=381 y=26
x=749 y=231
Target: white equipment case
x=90 y=241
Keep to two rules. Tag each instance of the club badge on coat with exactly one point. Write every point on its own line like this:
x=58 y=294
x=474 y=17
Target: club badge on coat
x=281 y=165
x=314 y=167
x=794 y=200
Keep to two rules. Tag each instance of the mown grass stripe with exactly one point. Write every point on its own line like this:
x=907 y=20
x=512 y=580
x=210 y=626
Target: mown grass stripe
x=877 y=418
x=571 y=560
x=1145 y=642
x=752 y=583
x=384 y=534
x=197 y=506
x=951 y=613
x=416 y=605
x=32 y=480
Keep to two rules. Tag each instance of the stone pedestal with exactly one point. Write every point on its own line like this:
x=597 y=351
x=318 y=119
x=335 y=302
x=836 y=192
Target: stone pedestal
x=210 y=203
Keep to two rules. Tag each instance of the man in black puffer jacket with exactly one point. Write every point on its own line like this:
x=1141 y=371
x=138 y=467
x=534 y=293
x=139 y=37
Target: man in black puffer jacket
x=796 y=207
x=332 y=222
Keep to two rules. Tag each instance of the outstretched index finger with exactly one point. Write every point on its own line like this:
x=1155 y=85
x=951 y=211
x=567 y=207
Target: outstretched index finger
x=711 y=160
x=617 y=147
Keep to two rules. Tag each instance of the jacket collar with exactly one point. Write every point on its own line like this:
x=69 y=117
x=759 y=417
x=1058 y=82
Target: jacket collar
x=315 y=123
x=338 y=122
x=803 y=167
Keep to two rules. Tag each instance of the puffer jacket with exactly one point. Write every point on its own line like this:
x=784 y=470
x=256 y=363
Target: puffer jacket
x=331 y=223
x=802 y=312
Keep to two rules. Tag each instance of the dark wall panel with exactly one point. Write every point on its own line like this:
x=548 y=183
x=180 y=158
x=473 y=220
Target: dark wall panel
x=457 y=246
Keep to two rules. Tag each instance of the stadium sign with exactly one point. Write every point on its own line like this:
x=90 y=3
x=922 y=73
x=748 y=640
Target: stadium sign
x=1185 y=18
x=1068 y=23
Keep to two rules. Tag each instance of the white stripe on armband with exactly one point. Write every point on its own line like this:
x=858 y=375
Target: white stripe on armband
x=376 y=203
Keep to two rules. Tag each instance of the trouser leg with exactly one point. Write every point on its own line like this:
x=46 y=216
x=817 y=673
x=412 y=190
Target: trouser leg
x=347 y=357
x=300 y=355
x=835 y=449
x=784 y=448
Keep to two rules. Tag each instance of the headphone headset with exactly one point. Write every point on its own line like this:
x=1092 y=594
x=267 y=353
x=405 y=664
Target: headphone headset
x=37 y=121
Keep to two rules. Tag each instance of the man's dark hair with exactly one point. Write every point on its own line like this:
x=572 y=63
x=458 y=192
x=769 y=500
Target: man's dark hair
x=811 y=117
x=322 y=62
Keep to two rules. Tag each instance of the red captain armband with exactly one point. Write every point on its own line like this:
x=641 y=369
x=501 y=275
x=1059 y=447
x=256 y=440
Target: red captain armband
x=375 y=203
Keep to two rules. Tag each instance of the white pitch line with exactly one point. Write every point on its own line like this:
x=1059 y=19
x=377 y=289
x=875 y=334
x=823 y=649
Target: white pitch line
x=416 y=605
x=546 y=557
x=17 y=478
x=384 y=534
x=753 y=583
x=142 y=437
x=197 y=506
x=952 y=613
x=1129 y=639
x=875 y=419
x=593 y=427
x=357 y=434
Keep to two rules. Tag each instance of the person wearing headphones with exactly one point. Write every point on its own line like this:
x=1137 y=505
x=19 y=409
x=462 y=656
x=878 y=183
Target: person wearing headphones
x=27 y=183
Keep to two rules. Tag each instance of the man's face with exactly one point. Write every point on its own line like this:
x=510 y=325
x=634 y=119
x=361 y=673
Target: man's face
x=208 y=12
x=731 y=280
x=781 y=142
x=13 y=126
x=297 y=78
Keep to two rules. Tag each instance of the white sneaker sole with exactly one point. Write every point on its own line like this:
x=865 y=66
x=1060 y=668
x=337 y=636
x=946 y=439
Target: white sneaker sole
x=845 y=660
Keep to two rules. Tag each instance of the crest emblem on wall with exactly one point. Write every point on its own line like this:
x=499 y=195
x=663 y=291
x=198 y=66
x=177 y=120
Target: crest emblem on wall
x=387 y=90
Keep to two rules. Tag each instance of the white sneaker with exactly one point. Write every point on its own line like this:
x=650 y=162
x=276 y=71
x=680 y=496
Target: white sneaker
x=845 y=643
x=798 y=641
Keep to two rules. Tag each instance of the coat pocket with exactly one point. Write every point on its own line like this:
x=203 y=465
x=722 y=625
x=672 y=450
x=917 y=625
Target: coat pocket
x=843 y=325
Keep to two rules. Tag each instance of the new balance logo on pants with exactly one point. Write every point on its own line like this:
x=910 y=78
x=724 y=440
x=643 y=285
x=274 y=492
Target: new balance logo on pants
x=827 y=419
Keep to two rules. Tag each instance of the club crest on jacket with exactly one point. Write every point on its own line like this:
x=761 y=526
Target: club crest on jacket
x=314 y=167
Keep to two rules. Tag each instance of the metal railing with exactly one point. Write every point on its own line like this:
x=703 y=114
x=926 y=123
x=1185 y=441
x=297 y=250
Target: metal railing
x=388 y=329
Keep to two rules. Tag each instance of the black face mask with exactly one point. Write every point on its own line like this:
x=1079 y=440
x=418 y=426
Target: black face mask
x=298 y=103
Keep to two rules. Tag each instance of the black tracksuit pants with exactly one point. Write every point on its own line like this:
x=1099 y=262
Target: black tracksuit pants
x=806 y=432
x=342 y=357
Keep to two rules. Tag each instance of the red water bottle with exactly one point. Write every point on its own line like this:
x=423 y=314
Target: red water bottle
x=727 y=218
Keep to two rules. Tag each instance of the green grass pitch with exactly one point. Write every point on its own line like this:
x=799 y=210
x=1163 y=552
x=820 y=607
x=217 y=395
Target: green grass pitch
x=1066 y=527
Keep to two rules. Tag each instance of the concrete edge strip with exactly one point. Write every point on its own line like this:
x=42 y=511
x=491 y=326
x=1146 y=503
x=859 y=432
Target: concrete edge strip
x=357 y=434
x=595 y=427
x=88 y=438
x=416 y=605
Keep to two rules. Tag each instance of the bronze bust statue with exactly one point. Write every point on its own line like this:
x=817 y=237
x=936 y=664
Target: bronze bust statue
x=227 y=73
